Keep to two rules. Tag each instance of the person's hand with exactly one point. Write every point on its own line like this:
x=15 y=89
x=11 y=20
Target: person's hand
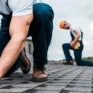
x=72 y=44
x=75 y=45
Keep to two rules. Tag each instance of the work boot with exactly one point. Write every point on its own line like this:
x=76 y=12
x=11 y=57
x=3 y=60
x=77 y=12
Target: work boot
x=26 y=64
x=68 y=63
x=39 y=74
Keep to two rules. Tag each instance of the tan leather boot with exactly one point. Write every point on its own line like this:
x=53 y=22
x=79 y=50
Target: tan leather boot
x=39 y=75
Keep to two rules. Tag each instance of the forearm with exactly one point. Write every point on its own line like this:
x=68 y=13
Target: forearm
x=19 y=28
x=76 y=40
x=78 y=33
x=10 y=54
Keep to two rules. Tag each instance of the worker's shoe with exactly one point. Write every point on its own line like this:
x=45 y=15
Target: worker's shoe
x=26 y=65
x=39 y=75
x=68 y=63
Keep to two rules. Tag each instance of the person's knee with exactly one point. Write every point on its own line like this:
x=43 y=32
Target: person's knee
x=78 y=61
x=64 y=46
x=42 y=8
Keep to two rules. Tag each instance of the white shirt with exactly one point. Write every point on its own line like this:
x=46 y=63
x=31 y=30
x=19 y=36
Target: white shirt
x=17 y=7
x=74 y=31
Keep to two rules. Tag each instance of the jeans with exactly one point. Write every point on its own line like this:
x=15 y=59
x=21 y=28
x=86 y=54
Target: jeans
x=77 y=53
x=41 y=31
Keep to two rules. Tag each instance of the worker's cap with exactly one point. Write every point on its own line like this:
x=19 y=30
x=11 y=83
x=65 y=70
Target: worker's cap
x=62 y=24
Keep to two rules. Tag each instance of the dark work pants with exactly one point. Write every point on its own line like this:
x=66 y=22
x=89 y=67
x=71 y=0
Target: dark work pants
x=40 y=30
x=77 y=53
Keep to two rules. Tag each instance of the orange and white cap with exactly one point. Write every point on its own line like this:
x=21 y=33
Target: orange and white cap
x=62 y=23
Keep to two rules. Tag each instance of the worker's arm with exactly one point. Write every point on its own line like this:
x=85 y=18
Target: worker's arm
x=18 y=30
x=76 y=38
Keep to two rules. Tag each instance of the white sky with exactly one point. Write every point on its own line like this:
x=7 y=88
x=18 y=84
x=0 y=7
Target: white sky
x=80 y=14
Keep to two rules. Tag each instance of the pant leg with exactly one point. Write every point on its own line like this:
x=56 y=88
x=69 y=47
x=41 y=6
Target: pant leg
x=41 y=29
x=79 y=61
x=4 y=32
x=85 y=63
x=66 y=47
x=4 y=39
x=78 y=56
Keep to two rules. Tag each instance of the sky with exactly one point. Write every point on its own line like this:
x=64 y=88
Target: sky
x=80 y=14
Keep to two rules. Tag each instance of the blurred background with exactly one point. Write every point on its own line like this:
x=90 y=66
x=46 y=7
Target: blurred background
x=80 y=14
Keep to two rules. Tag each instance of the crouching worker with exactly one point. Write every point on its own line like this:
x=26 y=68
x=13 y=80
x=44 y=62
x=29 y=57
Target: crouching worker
x=22 y=18
x=76 y=45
